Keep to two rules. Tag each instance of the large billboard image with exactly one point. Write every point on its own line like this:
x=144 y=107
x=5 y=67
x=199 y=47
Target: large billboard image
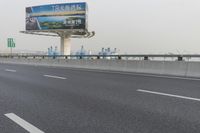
x=57 y=17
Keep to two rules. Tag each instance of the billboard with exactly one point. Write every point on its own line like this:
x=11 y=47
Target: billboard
x=57 y=17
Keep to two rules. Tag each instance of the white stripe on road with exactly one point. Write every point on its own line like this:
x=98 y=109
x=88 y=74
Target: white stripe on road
x=56 y=77
x=27 y=126
x=169 y=95
x=139 y=74
x=10 y=70
x=168 y=77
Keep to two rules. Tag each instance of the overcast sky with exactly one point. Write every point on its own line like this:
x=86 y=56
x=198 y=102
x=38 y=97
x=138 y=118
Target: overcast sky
x=133 y=26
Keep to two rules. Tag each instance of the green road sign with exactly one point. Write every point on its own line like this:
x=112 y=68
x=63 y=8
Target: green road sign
x=10 y=43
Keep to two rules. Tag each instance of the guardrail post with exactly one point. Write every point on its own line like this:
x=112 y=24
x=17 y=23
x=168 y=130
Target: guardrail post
x=119 y=57
x=180 y=58
x=146 y=58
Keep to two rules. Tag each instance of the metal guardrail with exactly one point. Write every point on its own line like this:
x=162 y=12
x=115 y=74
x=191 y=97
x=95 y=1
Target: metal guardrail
x=118 y=57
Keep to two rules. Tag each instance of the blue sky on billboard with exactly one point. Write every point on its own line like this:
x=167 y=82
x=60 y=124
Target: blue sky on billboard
x=133 y=26
x=60 y=7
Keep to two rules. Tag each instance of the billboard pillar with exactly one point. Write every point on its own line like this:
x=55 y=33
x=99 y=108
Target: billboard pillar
x=65 y=46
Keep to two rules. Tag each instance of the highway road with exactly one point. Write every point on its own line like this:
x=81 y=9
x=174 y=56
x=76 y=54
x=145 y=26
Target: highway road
x=62 y=100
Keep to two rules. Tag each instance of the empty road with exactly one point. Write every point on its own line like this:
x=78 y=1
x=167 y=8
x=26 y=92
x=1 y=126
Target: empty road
x=62 y=100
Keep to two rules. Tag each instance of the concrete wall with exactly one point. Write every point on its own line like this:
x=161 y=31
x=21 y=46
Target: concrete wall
x=176 y=68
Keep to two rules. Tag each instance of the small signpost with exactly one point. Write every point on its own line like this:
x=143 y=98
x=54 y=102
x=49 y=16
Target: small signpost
x=10 y=44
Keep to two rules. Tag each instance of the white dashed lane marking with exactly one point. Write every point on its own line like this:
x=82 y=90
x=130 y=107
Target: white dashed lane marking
x=56 y=77
x=10 y=70
x=27 y=126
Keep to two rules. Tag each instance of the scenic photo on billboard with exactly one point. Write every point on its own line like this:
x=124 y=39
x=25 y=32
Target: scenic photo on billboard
x=57 y=17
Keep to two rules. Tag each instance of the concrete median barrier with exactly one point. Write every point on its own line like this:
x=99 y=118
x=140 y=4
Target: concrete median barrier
x=176 y=68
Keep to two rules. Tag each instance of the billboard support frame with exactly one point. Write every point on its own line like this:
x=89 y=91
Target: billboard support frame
x=65 y=37
x=62 y=33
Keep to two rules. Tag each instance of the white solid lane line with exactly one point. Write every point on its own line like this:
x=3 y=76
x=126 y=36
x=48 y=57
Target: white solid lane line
x=56 y=77
x=10 y=70
x=169 y=77
x=140 y=74
x=169 y=95
x=27 y=126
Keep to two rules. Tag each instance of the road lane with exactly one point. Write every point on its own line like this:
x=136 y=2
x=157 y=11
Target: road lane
x=97 y=102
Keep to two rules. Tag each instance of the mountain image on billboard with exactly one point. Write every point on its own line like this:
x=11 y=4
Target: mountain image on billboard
x=57 y=17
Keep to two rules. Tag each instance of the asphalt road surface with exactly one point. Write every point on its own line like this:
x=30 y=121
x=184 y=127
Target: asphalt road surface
x=59 y=100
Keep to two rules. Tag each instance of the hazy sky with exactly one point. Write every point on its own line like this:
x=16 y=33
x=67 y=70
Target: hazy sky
x=133 y=26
